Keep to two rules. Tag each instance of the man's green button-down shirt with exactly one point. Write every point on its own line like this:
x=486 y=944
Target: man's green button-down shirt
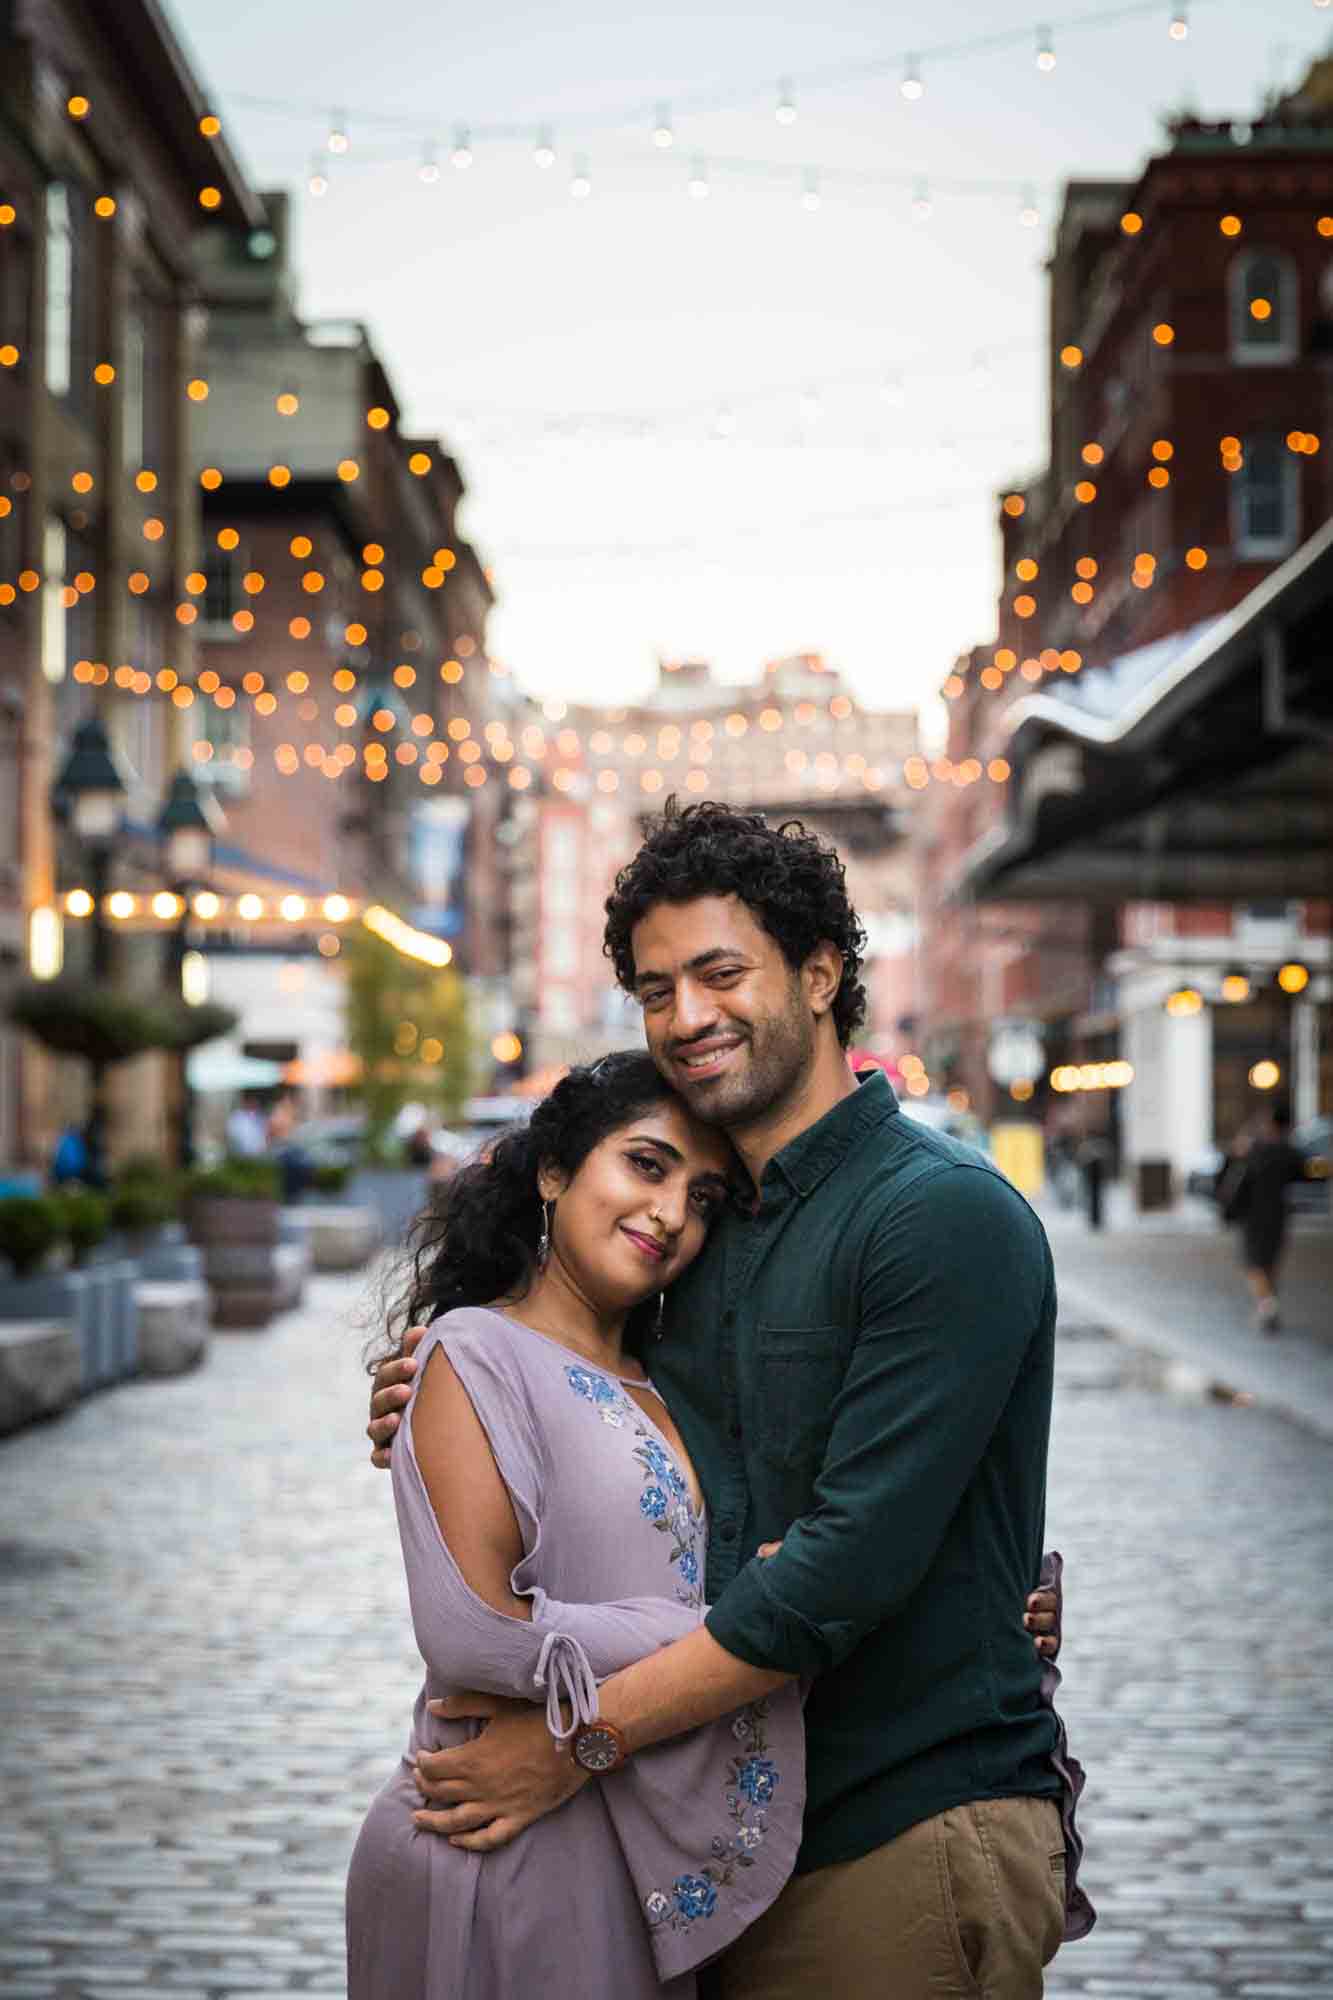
x=863 y=1368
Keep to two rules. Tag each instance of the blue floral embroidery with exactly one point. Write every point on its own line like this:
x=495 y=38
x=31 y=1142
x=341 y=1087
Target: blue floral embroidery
x=665 y=1498
x=694 y=1896
x=757 y=1778
x=751 y=1779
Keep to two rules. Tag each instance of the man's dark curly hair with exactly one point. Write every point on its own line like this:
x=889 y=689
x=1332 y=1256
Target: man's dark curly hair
x=790 y=880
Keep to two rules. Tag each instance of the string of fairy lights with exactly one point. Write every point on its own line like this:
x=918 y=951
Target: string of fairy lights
x=663 y=124
x=402 y=727
x=158 y=909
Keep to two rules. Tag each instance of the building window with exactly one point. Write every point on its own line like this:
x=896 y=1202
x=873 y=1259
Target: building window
x=1265 y=496
x=227 y=732
x=223 y=595
x=59 y=291
x=132 y=379
x=1264 y=308
x=55 y=658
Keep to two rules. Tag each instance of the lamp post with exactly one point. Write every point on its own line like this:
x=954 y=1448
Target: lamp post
x=187 y=825
x=89 y=793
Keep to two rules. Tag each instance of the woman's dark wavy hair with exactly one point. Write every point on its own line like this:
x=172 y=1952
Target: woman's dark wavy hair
x=790 y=880
x=477 y=1240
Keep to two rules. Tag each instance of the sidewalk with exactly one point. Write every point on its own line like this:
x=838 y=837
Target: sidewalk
x=1172 y=1283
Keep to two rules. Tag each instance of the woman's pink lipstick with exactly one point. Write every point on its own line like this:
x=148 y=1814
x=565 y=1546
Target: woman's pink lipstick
x=648 y=1244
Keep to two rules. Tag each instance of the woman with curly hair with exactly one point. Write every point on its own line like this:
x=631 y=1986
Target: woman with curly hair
x=553 y=1533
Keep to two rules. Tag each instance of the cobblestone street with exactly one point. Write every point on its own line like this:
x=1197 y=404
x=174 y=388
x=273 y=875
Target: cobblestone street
x=209 y=1670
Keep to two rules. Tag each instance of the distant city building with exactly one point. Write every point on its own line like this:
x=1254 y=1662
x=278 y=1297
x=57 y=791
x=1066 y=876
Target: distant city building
x=795 y=744
x=346 y=687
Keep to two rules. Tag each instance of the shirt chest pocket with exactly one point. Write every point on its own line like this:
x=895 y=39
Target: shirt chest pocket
x=799 y=1373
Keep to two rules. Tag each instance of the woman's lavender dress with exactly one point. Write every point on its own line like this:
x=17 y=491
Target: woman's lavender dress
x=644 y=1875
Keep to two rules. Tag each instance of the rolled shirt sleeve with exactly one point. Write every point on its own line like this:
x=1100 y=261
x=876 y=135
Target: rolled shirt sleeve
x=955 y=1288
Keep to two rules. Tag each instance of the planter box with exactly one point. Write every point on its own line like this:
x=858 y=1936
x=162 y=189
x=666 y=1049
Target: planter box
x=225 y=1218
x=41 y=1370
x=341 y=1237
x=118 y=1320
x=239 y=1239
x=164 y=1255
x=173 y=1325
x=68 y=1296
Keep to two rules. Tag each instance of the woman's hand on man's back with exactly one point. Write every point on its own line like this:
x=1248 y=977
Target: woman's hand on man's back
x=389 y=1395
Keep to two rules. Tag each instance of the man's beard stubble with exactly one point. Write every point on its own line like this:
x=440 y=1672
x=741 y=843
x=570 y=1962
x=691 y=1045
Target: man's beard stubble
x=781 y=1052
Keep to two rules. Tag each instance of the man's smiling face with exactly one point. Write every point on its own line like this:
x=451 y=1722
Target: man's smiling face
x=727 y=1019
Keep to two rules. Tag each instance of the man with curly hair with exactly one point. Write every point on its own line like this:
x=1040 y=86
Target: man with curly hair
x=861 y=1368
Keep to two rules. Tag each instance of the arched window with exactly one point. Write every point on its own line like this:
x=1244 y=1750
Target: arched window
x=1265 y=496
x=1264 y=308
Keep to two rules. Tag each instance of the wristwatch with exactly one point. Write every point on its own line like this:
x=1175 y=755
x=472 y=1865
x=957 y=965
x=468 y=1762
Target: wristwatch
x=599 y=1747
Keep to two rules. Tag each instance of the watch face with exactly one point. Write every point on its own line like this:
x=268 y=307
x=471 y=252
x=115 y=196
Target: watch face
x=596 y=1750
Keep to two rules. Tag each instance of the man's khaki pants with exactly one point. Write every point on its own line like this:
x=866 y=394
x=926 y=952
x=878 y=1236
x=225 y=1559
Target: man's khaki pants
x=968 y=1903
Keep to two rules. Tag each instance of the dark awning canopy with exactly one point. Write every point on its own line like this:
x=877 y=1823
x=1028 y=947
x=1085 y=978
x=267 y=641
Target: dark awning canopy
x=1210 y=780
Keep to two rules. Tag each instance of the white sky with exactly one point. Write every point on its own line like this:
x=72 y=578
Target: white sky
x=578 y=354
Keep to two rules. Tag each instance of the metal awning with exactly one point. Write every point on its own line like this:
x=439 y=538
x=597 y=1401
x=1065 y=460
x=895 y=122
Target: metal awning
x=1198 y=771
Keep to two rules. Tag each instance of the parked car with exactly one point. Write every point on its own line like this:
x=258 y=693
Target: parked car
x=331 y=1142
x=939 y=1114
x=1202 y=1172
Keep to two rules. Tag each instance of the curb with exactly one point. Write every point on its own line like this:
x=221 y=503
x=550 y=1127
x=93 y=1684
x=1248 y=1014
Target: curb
x=1182 y=1369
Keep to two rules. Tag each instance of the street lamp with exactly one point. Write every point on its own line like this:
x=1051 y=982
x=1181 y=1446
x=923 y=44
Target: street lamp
x=89 y=792
x=187 y=825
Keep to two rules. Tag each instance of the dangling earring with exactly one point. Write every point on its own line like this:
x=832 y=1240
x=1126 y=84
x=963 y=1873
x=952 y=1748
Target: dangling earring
x=544 y=1245
x=660 y=1320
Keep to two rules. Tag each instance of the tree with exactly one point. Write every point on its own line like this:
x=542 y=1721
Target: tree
x=407 y=1023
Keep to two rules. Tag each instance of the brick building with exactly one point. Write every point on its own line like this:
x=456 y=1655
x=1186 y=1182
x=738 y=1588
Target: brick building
x=342 y=655
x=1191 y=413
x=794 y=744
x=107 y=172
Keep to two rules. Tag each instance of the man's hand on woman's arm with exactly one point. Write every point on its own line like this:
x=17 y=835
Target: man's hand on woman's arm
x=388 y=1397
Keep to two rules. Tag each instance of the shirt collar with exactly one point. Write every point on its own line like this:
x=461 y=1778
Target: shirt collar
x=813 y=1154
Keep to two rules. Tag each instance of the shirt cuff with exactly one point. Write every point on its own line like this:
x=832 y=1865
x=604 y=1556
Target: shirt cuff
x=750 y=1621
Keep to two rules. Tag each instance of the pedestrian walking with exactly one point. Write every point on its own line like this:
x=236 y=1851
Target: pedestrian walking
x=247 y=1129
x=1253 y=1192
x=860 y=1366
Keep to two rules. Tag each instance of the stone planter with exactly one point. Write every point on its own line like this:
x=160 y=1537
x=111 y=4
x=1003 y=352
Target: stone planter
x=70 y=1297
x=41 y=1370
x=341 y=1237
x=164 y=1255
x=239 y=1240
x=173 y=1324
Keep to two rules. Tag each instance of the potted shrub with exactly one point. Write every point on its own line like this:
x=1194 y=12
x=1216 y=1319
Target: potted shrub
x=41 y=1362
x=85 y=1220
x=233 y=1213
x=145 y=1196
x=31 y=1227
